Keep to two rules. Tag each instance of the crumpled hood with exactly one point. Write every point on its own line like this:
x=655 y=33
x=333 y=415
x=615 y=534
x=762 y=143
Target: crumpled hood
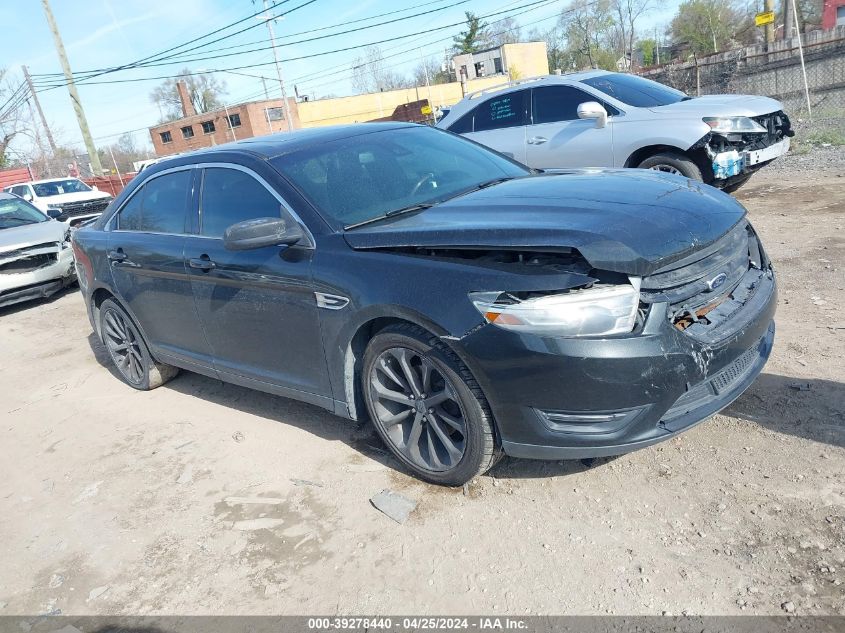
x=628 y=221
x=18 y=237
x=722 y=105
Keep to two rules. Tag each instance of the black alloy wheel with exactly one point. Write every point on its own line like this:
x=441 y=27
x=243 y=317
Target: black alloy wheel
x=427 y=407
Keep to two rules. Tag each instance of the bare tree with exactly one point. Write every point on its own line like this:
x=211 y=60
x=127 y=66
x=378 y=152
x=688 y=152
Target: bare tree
x=505 y=31
x=205 y=91
x=588 y=28
x=627 y=14
x=369 y=74
x=430 y=69
x=13 y=115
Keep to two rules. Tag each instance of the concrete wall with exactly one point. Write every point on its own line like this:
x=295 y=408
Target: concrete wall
x=775 y=72
x=366 y=107
x=525 y=60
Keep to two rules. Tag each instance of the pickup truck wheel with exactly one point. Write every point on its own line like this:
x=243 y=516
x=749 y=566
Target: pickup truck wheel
x=427 y=407
x=673 y=163
x=129 y=352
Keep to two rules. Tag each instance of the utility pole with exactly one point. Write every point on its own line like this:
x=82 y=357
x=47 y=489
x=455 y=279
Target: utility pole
x=269 y=21
x=769 y=7
x=93 y=157
x=38 y=108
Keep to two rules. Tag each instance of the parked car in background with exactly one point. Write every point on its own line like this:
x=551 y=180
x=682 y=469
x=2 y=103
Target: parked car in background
x=75 y=201
x=605 y=119
x=35 y=255
x=464 y=303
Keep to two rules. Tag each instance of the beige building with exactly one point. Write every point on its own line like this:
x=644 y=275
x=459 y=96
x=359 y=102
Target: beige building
x=258 y=118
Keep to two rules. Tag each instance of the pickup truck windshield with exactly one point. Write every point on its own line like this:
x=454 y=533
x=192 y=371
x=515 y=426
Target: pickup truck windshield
x=635 y=91
x=58 y=187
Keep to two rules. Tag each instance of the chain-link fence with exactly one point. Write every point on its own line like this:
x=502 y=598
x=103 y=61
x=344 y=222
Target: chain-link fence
x=775 y=72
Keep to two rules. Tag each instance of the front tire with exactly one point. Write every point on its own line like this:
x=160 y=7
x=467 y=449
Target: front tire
x=427 y=407
x=129 y=352
x=673 y=163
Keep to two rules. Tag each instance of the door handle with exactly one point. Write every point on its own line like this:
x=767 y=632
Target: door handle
x=202 y=263
x=537 y=140
x=117 y=256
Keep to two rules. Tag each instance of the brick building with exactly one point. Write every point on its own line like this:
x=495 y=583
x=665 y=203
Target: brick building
x=245 y=120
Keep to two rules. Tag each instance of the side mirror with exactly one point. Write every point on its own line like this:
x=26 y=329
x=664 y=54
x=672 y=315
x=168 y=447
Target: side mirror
x=251 y=234
x=54 y=213
x=593 y=110
x=27 y=196
x=95 y=188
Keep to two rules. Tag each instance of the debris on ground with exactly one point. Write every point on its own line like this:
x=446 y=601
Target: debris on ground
x=96 y=592
x=305 y=482
x=187 y=475
x=394 y=505
x=238 y=436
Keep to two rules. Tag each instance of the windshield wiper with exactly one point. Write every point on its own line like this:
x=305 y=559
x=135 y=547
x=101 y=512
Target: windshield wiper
x=391 y=214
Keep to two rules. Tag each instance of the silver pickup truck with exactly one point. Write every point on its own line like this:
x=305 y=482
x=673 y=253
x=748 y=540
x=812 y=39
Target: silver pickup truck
x=603 y=119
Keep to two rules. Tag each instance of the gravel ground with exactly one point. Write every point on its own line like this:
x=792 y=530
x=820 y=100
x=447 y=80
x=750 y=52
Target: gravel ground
x=205 y=498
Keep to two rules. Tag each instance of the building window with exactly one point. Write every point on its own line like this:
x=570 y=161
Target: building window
x=166 y=137
x=208 y=127
x=840 y=15
x=187 y=132
x=275 y=114
x=497 y=65
x=234 y=120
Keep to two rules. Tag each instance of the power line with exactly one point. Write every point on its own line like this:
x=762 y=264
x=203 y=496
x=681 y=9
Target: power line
x=535 y=3
x=136 y=63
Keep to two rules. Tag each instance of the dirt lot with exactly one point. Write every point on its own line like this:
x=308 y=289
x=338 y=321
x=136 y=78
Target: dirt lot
x=206 y=498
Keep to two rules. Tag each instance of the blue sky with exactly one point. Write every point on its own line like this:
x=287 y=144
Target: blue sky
x=105 y=33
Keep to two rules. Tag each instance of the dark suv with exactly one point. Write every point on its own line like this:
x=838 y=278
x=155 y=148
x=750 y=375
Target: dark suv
x=467 y=305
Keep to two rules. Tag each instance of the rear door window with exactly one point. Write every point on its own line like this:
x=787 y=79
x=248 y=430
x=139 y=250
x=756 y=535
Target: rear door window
x=508 y=110
x=160 y=205
x=230 y=196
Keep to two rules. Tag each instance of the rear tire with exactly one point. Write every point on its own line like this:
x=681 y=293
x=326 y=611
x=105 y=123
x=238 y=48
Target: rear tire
x=445 y=436
x=128 y=350
x=673 y=163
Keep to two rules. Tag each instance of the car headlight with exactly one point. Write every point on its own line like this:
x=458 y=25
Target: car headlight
x=597 y=311
x=734 y=125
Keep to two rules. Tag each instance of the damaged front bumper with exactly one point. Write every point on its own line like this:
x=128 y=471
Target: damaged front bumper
x=560 y=398
x=735 y=163
x=36 y=272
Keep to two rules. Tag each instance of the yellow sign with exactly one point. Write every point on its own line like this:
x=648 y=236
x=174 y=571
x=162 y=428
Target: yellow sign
x=426 y=109
x=762 y=19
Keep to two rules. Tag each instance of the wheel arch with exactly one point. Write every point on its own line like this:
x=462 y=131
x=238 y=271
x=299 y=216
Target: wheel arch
x=694 y=153
x=358 y=337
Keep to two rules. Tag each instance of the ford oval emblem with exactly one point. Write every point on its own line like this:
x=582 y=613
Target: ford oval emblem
x=717 y=281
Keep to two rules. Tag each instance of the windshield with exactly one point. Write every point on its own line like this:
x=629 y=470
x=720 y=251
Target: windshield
x=58 y=187
x=16 y=212
x=635 y=91
x=354 y=179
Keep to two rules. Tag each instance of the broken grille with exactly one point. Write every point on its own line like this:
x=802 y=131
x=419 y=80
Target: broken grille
x=73 y=209
x=28 y=264
x=701 y=278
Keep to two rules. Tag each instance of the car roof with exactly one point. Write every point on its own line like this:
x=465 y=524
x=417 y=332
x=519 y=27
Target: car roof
x=474 y=98
x=273 y=145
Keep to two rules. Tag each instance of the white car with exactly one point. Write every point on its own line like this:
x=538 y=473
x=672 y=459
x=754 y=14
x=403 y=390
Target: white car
x=36 y=258
x=65 y=199
x=603 y=119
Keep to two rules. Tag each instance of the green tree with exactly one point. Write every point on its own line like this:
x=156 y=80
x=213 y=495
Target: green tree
x=205 y=91
x=475 y=38
x=647 y=46
x=710 y=26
